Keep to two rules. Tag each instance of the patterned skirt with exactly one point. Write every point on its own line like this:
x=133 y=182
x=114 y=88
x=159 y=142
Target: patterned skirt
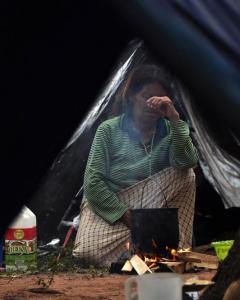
x=99 y=243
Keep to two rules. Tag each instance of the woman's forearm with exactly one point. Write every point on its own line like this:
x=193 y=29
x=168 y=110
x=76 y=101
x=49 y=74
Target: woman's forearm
x=183 y=153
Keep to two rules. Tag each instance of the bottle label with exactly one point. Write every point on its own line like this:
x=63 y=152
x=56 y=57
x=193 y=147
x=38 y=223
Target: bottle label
x=20 y=249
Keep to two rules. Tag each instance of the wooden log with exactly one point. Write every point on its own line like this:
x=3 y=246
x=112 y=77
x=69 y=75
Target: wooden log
x=197 y=255
x=199 y=259
x=139 y=265
x=176 y=267
x=127 y=266
x=206 y=265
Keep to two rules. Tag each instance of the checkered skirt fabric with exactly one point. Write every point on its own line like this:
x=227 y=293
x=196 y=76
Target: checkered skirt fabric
x=99 y=243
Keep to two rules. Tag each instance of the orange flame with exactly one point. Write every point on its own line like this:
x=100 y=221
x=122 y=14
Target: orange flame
x=174 y=253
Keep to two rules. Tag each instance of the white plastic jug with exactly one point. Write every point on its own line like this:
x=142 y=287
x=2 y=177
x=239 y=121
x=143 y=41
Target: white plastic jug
x=21 y=242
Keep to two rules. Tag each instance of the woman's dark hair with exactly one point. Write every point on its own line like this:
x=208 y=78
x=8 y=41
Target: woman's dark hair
x=138 y=77
x=146 y=74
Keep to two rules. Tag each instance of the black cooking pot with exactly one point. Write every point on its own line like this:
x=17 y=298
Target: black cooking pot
x=154 y=228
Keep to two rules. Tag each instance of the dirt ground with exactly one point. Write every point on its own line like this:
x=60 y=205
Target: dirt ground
x=71 y=286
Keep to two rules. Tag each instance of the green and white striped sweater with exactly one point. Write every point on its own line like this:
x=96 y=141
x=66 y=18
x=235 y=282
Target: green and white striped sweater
x=118 y=160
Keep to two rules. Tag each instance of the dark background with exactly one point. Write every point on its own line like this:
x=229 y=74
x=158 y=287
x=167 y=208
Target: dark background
x=56 y=55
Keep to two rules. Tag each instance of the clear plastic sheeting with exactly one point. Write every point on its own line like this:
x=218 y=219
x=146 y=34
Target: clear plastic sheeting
x=220 y=168
x=104 y=99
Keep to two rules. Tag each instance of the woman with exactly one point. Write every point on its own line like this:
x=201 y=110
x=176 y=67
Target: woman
x=142 y=158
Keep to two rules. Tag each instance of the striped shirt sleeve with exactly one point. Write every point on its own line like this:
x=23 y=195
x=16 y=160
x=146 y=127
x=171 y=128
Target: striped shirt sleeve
x=183 y=154
x=101 y=198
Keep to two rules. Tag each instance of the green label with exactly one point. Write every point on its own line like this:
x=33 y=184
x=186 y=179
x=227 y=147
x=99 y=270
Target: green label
x=20 y=255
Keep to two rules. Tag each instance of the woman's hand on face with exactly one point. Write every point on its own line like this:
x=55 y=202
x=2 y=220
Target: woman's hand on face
x=163 y=106
x=126 y=219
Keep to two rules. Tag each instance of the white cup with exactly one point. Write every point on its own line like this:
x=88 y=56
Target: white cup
x=157 y=286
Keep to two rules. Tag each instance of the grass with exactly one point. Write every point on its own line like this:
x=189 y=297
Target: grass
x=48 y=265
x=67 y=264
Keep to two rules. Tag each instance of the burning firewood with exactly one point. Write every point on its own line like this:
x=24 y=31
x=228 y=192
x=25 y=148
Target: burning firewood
x=127 y=267
x=199 y=260
x=139 y=265
x=156 y=268
x=152 y=265
x=180 y=261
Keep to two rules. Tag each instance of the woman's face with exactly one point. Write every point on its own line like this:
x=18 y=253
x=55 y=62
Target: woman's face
x=140 y=107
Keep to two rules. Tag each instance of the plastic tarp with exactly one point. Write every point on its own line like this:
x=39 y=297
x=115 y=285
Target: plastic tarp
x=220 y=168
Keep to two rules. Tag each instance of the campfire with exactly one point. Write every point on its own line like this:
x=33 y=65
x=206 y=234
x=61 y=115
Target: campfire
x=156 y=261
x=169 y=259
x=163 y=260
x=152 y=250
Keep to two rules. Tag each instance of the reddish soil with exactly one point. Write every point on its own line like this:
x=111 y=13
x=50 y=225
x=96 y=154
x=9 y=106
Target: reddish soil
x=71 y=286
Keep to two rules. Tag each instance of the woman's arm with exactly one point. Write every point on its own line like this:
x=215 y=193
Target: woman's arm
x=183 y=154
x=103 y=201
